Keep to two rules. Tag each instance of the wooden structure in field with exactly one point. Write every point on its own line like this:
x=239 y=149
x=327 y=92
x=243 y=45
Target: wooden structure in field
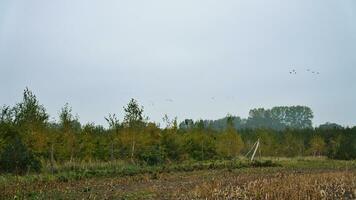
x=254 y=148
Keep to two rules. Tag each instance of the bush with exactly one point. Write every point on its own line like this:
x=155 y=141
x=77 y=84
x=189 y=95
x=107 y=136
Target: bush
x=171 y=147
x=267 y=163
x=200 y=146
x=347 y=148
x=151 y=155
x=17 y=158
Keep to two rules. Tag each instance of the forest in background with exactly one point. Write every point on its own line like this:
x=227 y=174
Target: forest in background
x=28 y=140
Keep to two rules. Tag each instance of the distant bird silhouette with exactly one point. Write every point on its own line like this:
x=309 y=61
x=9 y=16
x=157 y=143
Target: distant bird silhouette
x=293 y=72
x=313 y=71
x=169 y=100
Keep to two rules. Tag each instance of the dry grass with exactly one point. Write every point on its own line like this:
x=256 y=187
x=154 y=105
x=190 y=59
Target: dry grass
x=280 y=185
x=259 y=183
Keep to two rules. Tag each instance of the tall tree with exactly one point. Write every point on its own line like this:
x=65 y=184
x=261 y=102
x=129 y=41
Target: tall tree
x=31 y=119
x=299 y=117
x=6 y=123
x=317 y=145
x=279 y=118
x=229 y=143
x=133 y=120
x=6 y=115
x=114 y=125
x=69 y=126
x=186 y=124
x=133 y=114
x=261 y=118
x=30 y=114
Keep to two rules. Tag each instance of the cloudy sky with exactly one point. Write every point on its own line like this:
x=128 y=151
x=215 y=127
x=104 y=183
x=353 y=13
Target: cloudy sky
x=187 y=58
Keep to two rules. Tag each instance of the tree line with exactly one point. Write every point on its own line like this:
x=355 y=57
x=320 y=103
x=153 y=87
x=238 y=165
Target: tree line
x=277 y=118
x=28 y=139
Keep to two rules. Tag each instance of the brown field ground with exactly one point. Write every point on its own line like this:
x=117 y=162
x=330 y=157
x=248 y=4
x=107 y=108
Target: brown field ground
x=250 y=183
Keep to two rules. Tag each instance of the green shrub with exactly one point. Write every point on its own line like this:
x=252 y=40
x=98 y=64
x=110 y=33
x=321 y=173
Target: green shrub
x=17 y=158
x=347 y=148
x=151 y=155
x=200 y=147
x=267 y=163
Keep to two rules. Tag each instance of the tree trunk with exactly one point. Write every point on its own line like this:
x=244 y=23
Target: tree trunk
x=52 y=159
x=71 y=155
x=112 y=152
x=133 y=151
x=202 y=150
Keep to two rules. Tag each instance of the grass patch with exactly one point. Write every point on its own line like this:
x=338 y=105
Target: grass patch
x=75 y=171
x=78 y=172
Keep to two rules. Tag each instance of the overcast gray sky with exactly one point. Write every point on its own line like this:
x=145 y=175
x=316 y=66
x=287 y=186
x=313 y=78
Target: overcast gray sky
x=187 y=58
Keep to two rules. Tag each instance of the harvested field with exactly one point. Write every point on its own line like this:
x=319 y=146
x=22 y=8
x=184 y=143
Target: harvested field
x=256 y=183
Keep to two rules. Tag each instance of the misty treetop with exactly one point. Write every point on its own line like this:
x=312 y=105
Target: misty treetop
x=277 y=118
x=28 y=139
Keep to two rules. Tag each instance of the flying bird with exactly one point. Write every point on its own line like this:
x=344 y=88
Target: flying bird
x=312 y=71
x=152 y=103
x=293 y=72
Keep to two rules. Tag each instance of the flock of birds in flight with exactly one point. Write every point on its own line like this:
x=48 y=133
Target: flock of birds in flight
x=292 y=72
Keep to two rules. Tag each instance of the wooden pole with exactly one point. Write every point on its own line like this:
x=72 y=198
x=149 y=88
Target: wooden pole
x=254 y=152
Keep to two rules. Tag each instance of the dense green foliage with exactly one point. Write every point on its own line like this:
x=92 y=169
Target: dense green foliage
x=26 y=136
x=17 y=158
x=277 y=118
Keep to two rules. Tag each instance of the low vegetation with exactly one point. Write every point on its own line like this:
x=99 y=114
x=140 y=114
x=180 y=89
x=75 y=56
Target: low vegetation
x=298 y=178
x=281 y=185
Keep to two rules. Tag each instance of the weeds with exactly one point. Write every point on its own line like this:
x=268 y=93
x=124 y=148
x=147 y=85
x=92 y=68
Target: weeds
x=263 y=179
